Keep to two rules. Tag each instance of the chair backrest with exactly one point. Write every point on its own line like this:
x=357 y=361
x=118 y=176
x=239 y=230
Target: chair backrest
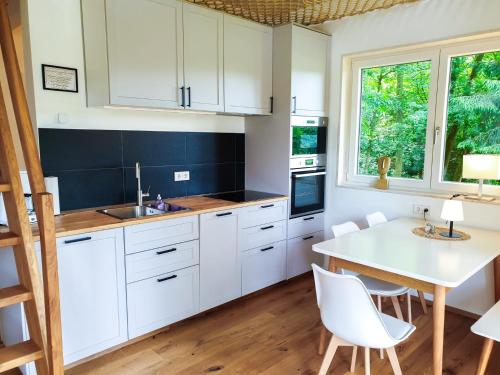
x=375 y=218
x=341 y=229
x=348 y=311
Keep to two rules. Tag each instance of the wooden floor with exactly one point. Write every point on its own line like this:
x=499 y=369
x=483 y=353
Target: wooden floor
x=276 y=332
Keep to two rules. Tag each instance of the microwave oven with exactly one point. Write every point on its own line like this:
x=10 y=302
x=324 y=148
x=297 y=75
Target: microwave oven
x=308 y=136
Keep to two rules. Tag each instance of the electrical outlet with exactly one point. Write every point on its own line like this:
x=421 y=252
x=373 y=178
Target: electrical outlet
x=181 y=176
x=419 y=210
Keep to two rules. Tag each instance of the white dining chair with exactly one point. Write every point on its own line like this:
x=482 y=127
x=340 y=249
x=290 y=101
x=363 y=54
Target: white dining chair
x=488 y=326
x=378 y=288
x=348 y=312
x=377 y=218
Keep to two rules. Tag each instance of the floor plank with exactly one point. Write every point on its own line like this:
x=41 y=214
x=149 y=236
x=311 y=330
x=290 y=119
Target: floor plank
x=276 y=332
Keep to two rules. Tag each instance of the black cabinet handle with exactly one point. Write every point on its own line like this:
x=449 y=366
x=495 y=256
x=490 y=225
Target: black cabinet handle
x=307 y=238
x=166 y=278
x=183 y=97
x=267 y=248
x=224 y=214
x=189 y=96
x=272 y=104
x=309 y=218
x=78 y=240
x=294 y=108
x=166 y=251
x=267 y=206
x=268 y=227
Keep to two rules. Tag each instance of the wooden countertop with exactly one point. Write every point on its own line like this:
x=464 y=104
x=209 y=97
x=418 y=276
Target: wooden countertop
x=68 y=224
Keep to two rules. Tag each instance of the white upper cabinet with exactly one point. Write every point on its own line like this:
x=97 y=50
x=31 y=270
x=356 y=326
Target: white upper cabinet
x=203 y=58
x=247 y=66
x=309 y=72
x=145 y=52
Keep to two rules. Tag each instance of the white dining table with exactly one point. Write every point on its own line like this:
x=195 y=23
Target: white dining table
x=391 y=252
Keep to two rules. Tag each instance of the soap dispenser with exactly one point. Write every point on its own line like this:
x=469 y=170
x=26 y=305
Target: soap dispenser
x=159 y=204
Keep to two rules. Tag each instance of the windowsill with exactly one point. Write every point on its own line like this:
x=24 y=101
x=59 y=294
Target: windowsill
x=421 y=193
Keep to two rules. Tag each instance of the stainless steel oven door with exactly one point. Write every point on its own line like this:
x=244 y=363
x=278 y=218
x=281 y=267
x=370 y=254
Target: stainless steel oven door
x=307 y=191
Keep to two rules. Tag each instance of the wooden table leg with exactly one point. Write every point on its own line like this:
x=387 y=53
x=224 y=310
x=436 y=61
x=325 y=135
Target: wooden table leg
x=438 y=331
x=485 y=356
x=496 y=273
x=323 y=334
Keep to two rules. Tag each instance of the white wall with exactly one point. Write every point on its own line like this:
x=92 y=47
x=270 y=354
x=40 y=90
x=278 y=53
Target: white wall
x=56 y=38
x=414 y=23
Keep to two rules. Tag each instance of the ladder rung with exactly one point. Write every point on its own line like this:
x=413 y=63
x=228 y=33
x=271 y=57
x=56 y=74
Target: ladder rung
x=9 y=239
x=4 y=188
x=18 y=355
x=14 y=294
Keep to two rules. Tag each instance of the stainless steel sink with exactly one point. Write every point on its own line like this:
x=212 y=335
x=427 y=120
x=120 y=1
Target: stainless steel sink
x=136 y=212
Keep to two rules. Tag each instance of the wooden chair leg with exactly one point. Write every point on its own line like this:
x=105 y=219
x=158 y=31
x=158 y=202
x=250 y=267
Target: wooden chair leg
x=423 y=302
x=485 y=356
x=393 y=358
x=330 y=352
x=367 y=361
x=322 y=340
x=353 y=358
x=408 y=301
x=397 y=307
x=379 y=305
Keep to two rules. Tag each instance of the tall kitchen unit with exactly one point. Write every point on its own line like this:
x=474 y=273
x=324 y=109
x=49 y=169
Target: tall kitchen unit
x=286 y=152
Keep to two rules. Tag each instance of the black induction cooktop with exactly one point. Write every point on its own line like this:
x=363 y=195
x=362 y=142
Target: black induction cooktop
x=244 y=196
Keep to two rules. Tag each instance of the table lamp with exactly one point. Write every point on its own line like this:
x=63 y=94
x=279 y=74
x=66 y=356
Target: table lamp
x=452 y=211
x=481 y=167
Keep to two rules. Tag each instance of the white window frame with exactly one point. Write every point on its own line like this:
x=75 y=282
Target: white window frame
x=440 y=54
x=438 y=184
x=385 y=60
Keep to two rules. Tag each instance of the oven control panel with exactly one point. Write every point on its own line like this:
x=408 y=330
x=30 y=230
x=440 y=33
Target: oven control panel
x=308 y=162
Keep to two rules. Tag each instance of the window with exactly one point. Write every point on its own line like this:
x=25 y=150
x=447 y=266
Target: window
x=424 y=109
x=393 y=119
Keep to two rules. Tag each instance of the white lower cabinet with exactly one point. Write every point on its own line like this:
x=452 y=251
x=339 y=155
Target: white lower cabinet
x=300 y=255
x=92 y=295
x=263 y=266
x=220 y=261
x=162 y=300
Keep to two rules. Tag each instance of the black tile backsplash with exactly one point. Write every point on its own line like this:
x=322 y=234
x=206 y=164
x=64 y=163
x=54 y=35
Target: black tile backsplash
x=97 y=167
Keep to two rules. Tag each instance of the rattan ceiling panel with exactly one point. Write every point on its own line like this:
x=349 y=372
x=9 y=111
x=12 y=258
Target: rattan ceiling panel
x=305 y=12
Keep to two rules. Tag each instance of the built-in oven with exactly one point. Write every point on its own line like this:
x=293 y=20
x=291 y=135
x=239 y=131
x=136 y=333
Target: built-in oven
x=307 y=191
x=308 y=136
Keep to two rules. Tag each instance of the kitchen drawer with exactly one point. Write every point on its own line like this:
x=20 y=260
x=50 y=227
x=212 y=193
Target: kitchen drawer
x=162 y=233
x=253 y=237
x=263 y=266
x=300 y=254
x=159 y=301
x=262 y=213
x=151 y=263
x=303 y=225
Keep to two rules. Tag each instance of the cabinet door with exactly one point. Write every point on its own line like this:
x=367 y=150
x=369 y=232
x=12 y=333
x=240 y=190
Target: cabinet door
x=145 y=52
x=263 y=267
x=159 y=301
x=92 y=289
x=203 y=58
x=309 y=72
x=300 y=254
x=220 y=263
x=247 y=66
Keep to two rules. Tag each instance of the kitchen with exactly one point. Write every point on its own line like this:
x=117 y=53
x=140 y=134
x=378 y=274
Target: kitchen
x=227 y=139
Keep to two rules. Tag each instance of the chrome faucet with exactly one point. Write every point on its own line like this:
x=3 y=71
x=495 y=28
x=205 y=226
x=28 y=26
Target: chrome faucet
x=140 y=194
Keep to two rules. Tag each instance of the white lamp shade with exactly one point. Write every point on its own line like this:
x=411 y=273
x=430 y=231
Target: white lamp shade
x=486 y=167
x=452 y=211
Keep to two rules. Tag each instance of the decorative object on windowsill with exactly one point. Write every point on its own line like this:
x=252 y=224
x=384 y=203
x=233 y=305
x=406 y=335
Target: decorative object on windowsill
x=452 y=211
x=59 y=78
x=481 y=167
x=384 y=163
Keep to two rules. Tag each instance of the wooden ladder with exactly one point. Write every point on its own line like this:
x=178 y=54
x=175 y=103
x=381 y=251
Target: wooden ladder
x=41 y=303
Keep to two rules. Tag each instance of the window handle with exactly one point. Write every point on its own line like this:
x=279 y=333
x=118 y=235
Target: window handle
x=294 y=107
x=437 y=132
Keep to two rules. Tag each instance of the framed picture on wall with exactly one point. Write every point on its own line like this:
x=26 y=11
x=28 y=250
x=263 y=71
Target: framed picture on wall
x=59 y=78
